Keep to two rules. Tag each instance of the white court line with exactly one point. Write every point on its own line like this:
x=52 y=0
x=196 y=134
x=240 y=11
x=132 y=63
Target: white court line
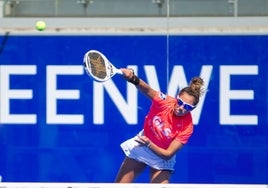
x=133 y=185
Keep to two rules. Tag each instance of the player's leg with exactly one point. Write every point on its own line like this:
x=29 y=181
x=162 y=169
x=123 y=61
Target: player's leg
x=129 y=170
x=160 y=176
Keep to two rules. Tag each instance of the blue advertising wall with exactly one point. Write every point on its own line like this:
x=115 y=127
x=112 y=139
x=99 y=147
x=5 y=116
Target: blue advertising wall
x=57 y=125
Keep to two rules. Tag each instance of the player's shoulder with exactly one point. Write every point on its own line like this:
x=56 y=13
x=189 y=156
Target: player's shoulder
x=160 y=96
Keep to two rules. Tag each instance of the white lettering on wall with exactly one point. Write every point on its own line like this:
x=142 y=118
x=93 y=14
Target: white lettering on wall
x=7 y=94
x=226 y=95
x=178 y=81
x=128 y=108
x=53 y=94
x=127 y=103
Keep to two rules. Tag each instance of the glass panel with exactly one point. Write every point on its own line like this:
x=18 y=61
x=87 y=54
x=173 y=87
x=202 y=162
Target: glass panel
x=131 y=8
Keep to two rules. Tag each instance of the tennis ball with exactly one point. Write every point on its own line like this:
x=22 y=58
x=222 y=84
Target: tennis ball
x=40 y=25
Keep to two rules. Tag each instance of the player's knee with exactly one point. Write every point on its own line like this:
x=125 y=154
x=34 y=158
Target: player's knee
x=160 y=176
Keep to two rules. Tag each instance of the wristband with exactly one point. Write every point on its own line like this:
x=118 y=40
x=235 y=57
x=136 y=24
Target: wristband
x=149 y=144
x=134 y=80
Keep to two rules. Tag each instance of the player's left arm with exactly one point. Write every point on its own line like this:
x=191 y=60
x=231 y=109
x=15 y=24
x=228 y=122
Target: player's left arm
x=178 y=142
x=166 y=154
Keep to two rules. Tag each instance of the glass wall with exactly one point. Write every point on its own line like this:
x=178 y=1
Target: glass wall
x=133 y=8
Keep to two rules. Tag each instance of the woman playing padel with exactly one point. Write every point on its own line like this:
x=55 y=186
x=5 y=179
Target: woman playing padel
x=167 y=127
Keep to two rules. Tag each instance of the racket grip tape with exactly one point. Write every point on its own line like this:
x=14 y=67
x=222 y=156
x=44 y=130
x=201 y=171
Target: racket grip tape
x=134 y=80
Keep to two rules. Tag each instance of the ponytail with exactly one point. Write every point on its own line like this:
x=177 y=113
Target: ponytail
x=195 y=88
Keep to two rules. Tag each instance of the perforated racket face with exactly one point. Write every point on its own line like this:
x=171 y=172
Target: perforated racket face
x=98 y=68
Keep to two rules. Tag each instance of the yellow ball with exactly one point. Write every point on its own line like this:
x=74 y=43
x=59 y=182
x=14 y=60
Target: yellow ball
x=40 y=25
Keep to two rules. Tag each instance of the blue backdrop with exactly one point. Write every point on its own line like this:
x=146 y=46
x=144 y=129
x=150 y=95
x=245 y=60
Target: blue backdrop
x=229 y=144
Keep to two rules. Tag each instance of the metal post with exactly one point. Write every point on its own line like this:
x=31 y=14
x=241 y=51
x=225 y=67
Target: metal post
x=159 y=4
x=235 y=7
x=85 y=4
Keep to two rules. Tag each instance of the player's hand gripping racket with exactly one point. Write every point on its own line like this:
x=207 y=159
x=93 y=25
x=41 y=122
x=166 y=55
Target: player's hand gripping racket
x=99 y=67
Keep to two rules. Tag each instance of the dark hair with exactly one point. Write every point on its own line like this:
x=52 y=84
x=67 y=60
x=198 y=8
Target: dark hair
x=194 y=89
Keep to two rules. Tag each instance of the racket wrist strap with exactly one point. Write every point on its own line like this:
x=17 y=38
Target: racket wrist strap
x=134 y=80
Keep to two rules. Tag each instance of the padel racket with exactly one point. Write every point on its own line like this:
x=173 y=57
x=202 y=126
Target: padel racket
x=99 y=67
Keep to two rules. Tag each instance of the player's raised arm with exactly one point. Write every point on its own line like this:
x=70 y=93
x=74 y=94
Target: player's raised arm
x=138 y=82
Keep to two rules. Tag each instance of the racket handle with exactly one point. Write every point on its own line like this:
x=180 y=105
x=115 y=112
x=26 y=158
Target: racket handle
x=118 y=71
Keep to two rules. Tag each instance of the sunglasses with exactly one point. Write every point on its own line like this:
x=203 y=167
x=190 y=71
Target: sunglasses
x=187 y=107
